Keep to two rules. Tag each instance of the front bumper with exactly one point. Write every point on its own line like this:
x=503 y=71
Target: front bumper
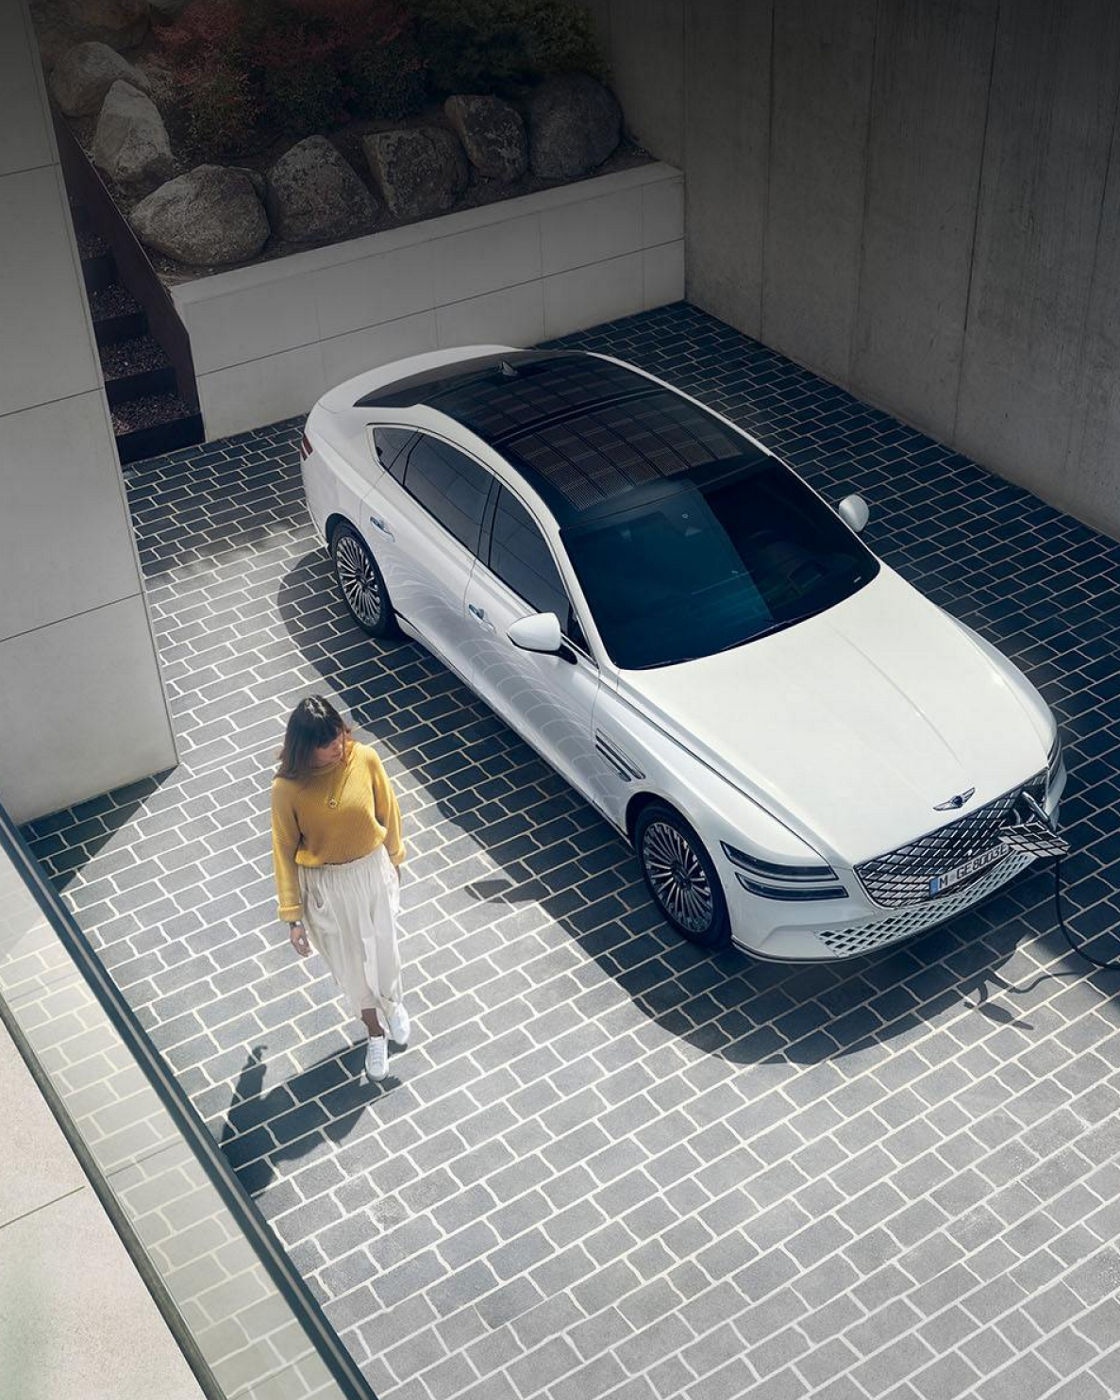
x=833 y=929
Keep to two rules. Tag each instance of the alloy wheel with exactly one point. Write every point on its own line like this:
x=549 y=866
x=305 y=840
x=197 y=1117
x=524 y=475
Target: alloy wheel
x=358 y=580
x=677 y=876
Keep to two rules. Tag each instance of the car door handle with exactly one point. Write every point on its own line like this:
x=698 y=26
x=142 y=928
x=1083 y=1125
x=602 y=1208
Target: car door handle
x=480 y=617
x=379 y=524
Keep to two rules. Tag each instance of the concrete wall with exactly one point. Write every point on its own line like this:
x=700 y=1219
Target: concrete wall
x=918 y=200
x=268 y=340
x=81 y=704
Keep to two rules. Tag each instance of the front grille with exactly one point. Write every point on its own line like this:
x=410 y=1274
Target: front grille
x=850 y=940
x=902 y=877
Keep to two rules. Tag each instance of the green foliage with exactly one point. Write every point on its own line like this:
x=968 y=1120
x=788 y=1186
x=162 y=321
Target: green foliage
x=303 y=99
x=493 y=45
x=388 y=80
x=245 y=70
x=221 y=110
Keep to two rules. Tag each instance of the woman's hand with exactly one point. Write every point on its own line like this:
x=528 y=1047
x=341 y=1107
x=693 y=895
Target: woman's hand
x=298 y=934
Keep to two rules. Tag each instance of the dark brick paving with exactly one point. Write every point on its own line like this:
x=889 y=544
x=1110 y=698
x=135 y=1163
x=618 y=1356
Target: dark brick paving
x=608 y=1165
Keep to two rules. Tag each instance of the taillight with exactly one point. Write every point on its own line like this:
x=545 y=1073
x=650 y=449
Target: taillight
x=305 y=448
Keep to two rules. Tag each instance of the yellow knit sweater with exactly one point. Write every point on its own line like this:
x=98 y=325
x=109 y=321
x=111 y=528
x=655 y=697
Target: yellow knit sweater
x=307 y=830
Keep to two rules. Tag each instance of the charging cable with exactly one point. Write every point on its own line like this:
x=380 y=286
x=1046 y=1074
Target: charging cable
x=1035 y=832
x=1111 y=963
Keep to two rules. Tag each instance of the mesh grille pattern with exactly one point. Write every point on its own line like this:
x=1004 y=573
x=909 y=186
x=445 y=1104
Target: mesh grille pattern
x=863 y=938
x=901 y=877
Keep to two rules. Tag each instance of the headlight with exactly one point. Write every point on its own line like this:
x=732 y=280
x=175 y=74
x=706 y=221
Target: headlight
x=771 y=881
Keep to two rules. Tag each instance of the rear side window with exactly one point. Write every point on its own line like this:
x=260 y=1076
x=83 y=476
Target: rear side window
x=449 y=485
x=390 y=445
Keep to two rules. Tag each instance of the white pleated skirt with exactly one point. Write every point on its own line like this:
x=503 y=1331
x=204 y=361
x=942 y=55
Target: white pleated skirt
x=350 y=912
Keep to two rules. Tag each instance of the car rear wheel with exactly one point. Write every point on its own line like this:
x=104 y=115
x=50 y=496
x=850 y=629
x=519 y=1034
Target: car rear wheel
x=681 y=877
x=361 y=583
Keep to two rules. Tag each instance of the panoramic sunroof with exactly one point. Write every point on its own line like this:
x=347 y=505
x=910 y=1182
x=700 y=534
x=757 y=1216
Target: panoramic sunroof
x=500 y=401
x=598 y=453
x=580 y=429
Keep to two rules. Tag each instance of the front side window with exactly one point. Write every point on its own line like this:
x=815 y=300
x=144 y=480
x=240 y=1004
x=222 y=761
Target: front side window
x=521 y=558
x=710 y=561
x=449 y=485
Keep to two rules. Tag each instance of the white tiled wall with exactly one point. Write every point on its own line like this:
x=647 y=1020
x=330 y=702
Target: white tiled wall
x=267 y=340
x=81 y=704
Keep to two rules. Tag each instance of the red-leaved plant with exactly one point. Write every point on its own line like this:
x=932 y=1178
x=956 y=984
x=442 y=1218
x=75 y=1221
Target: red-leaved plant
x=284 y=65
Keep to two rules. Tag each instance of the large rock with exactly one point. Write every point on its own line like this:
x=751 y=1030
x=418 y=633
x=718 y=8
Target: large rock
x=314 y=194
x=493 y=136
x=574 y=125
x=419 y=170
x=207 y=217
x=85 y=73
x=60 y=24
x=130 y=144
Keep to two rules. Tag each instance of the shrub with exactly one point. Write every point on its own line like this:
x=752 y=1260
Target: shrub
x=221 y=109
x=488 y=45
x=388 y=79
x=289 y=64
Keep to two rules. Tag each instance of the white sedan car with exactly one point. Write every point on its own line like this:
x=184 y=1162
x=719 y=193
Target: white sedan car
x=810 y=759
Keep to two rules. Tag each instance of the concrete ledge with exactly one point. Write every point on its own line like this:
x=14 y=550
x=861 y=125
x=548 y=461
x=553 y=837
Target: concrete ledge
x=267 y=340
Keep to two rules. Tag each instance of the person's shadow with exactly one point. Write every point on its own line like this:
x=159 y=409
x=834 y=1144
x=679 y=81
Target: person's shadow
x=264 y=1128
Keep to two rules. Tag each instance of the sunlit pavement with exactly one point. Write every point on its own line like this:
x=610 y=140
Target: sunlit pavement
x=609 y=1165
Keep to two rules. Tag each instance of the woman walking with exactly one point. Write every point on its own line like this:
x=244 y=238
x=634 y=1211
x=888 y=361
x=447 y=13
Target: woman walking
x=336 y=849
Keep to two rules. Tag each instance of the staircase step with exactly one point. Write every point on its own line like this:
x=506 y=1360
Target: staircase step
x=136 y=369
x=79 y=215
x=99 y=267
x=144 y=385
x=117 y=315
x=111 y=330
x=150 y=426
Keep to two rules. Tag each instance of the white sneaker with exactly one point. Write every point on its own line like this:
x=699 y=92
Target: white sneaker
x=398 y=1025
x=377 y=1058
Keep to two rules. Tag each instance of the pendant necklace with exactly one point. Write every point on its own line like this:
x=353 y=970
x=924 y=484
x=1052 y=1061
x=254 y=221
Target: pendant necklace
x=332 y=799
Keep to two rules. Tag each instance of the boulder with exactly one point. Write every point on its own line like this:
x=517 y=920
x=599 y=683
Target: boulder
x=85 y=73
x=60 y=24
x=314 y=194
x=260 y=184
x=574 y=125
x=208 y=217
x=419 y=170
x=130 y=144
x=493 y=136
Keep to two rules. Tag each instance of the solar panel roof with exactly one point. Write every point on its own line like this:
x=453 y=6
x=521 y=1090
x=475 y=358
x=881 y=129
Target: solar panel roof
x=580 y=429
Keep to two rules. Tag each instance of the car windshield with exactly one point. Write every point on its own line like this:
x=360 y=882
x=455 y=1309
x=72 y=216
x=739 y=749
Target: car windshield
x=685 y=568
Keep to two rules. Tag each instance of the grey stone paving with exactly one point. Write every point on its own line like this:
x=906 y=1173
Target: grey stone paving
x=609 y=1165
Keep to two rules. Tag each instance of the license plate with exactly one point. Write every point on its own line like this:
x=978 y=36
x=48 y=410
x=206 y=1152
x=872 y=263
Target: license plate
x=940 y=883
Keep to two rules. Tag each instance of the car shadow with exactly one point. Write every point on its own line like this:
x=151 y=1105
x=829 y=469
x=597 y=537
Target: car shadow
x=564 y=858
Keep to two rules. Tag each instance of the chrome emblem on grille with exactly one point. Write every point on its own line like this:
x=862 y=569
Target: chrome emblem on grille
x=954 y=803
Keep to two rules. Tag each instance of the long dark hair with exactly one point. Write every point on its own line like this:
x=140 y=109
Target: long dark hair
x=313 y=724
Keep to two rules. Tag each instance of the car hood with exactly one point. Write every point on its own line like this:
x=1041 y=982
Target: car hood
x=851 y=726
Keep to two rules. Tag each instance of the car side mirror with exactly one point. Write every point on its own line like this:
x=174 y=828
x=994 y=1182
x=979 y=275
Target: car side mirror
x=538 y=632
x=853 y=511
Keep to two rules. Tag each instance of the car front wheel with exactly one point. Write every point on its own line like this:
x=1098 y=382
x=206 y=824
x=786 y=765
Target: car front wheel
x=361 y=583
x=681 y=877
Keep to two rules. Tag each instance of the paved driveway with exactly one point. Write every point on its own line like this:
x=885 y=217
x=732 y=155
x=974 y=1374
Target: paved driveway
x=609 y=1166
